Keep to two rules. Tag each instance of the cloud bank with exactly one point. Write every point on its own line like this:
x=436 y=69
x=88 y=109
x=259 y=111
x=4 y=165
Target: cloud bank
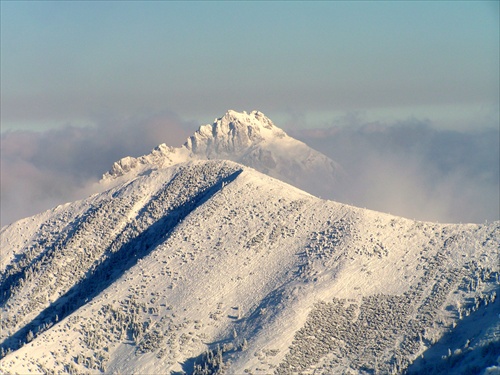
x=414 y=170
x=40 y=170
x=408 y=168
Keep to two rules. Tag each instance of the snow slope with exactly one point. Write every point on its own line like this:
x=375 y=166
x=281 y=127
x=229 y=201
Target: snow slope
x=211 y=266
x=250 y=139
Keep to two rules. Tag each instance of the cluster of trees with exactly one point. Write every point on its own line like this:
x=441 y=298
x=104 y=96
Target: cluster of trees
x=79 y=260
x=96 y=361
x=384 y=333
x=322 y=244
x=212 y=361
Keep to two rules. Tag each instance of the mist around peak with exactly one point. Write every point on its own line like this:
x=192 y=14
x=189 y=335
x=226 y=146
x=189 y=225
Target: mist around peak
x=250 y=139
x=409 y=168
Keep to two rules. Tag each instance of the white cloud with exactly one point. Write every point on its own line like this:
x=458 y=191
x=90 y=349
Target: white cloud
x=408 y=168
x=414 y=170
x=42 y=169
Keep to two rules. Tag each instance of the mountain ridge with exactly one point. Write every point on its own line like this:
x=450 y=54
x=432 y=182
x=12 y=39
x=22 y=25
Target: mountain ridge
x=232 y=134
x=250 y=139
x=212 y=266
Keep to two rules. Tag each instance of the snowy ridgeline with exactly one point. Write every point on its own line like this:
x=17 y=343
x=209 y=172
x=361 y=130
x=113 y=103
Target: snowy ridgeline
x=250 y=139
x=212 y=267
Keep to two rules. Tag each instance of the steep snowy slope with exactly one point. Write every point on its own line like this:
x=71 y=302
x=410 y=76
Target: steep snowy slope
x=210 y=265
x=250 y=139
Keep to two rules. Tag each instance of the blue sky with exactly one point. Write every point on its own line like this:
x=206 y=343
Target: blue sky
x=404 y=94
x=304 y=64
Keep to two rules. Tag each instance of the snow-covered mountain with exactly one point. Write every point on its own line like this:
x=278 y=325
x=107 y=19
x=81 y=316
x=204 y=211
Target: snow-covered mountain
x=211 y=267
x=250 y=139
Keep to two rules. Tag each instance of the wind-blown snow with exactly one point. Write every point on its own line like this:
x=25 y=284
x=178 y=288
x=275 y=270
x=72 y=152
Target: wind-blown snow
x=213 y=265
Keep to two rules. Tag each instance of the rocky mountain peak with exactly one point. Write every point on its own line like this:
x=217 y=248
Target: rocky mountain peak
x=250 y=139
x=232 y=133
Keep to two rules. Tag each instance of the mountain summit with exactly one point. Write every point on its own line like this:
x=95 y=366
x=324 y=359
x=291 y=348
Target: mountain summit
x=233 y=134
x=210 y=267
x=250 y=139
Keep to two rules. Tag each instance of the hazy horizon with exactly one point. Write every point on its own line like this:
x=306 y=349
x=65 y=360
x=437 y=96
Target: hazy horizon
x=409 y=168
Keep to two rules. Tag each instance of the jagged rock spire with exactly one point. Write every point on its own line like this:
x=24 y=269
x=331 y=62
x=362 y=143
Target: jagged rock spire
x=232 y=133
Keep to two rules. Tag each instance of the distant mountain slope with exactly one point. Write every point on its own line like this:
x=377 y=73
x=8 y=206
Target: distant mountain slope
x=250 y=139
x=211 y=266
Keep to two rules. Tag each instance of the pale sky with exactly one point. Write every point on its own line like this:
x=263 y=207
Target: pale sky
x=304 y=64
x=403 y=94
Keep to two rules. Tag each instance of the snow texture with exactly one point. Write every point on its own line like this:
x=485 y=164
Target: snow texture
x=209 y=266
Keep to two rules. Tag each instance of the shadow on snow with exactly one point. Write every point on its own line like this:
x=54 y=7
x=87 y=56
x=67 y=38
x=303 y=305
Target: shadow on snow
x=115 y=265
